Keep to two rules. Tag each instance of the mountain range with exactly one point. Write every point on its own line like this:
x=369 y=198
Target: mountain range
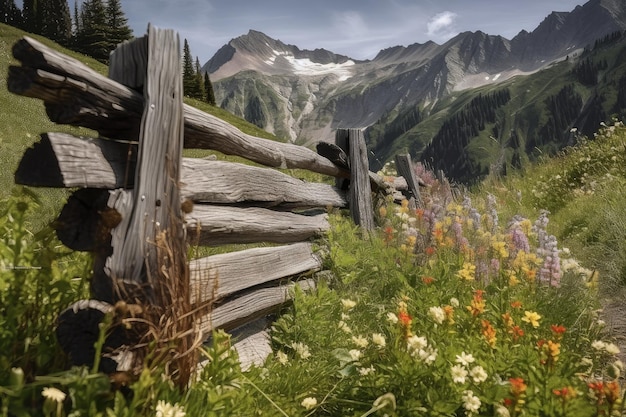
x=406 y=95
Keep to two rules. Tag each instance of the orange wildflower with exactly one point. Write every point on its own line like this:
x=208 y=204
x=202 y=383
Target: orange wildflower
x=428 y=280
x=489 y=333
x=449 y=312
x=477 y=305
x=516 y=304
x=612 y=392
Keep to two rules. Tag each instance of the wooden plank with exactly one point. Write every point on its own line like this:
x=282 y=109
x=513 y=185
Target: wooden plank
x=221 y=275
x=405 y=168
x=220 y=225
x=250 y=306
x=156 y=201
x=77 y=95
x=361 y=205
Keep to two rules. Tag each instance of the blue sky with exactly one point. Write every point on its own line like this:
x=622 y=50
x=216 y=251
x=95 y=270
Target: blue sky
x=357 y=28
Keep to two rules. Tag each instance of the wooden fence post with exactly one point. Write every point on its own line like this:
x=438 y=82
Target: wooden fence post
x=361 y=205
x=153 y=206
x=405 y=169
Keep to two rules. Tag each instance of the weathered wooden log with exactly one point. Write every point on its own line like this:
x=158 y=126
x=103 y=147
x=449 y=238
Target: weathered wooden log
x=250 y=306
x=231 y=183
x=218 y=276
x=77 y=95
x=220 y=225
x=63 y=160
x=404 y=165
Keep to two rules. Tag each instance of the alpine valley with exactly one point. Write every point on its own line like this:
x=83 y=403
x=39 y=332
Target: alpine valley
x=478 y=104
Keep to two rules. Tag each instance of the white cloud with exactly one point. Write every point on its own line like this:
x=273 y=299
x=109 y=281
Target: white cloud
x=441 y=25
x=350 y=23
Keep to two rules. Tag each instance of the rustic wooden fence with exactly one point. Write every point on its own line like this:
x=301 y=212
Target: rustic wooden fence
x=135 y=188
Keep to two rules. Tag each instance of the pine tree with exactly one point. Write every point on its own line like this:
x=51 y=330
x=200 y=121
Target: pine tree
x=10 y=14
x=118 y=30
x=188 y=70
x=208 y=89
x=93 y=31
x=55 y=21
x=31 y=16
x=191 y=86
x=199 y=82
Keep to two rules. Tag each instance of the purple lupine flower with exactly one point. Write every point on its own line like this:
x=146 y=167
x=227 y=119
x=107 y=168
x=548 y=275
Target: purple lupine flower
x=472 y=213
x=492 y=213
x=550 y=271
x=519 y=239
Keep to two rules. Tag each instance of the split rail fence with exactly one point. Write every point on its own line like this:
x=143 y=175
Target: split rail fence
x=133 y=186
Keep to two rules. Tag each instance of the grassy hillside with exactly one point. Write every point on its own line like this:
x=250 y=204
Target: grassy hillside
x=23 y=119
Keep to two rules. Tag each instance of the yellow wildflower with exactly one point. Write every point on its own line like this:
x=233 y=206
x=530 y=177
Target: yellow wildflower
x=532 y=318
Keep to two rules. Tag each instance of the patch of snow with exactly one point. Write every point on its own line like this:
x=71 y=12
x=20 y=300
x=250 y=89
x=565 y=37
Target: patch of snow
x=487 y=78
x=304 y=66
x=495 y=77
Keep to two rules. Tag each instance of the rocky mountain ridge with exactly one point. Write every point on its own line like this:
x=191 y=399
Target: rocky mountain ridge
x=305 y=95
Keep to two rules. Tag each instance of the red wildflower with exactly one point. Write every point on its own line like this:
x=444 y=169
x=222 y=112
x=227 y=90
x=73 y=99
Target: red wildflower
x=558 y=331
x=518 y=387
x=428 y=280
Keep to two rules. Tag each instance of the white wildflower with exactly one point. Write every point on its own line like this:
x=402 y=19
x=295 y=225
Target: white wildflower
x=301 y=349
x=470 y=402
x=598 y=345
x=348 y=304
x=416 y=342
x=366 y=371
x=53 y=394
x=478 y=374
x=437 y=314
x=465 y=358
x=309 y=403
x=502 y=411
x=164 y=409
x=360 y=341
x=344 y=327
x=355 y=354
x=459 y=373
x=282 y=357
x=454 y=302
x=392 y=318
x=379 y=340
x=611 y=348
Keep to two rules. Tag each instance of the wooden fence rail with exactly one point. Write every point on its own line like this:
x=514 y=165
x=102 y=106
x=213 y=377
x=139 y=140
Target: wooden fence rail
x=133 y=183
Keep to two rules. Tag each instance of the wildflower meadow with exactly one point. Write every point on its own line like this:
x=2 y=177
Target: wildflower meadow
x=466 y=306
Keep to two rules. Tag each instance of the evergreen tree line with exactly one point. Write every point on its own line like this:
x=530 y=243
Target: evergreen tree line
x=196 y=85
x=97 y=28
x=563 y=109
x=609 y=39
x=586 y=71
x=382 y=133
x=448 y=149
